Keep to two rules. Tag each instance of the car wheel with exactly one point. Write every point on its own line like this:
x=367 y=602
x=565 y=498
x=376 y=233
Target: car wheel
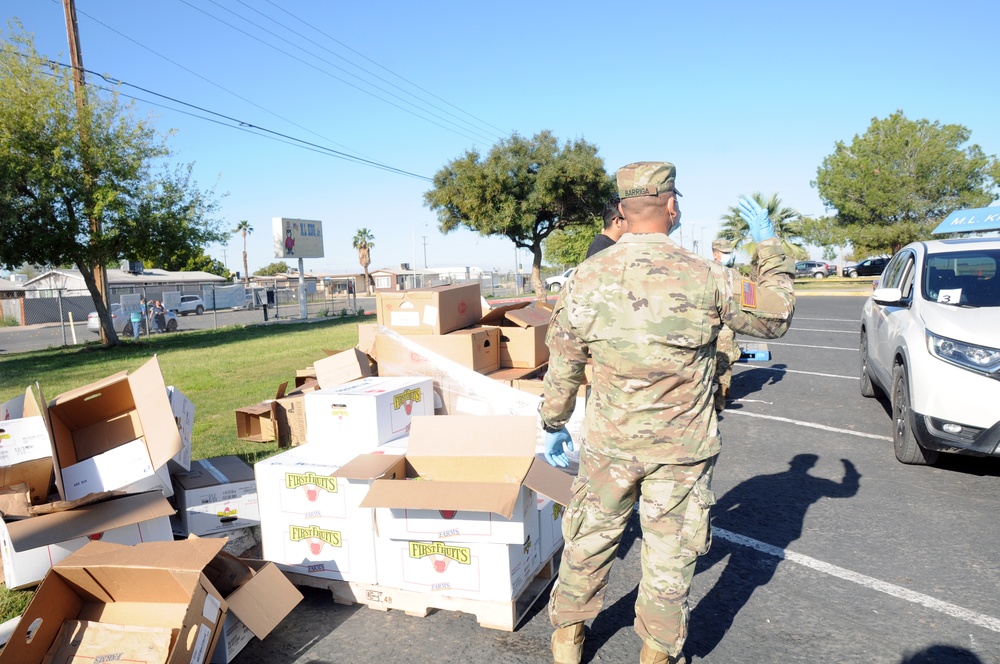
x=867 y=388
x=555 y=288
x=853 y=274
x=907 y=448
x=819 y=275
x=199 y=310
x=127 y=330
x=183 y=313
x=171 y=326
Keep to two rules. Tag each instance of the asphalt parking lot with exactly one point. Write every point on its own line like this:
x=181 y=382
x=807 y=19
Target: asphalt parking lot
x=826 y=549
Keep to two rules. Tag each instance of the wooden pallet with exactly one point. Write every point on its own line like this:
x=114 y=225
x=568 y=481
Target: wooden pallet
x=492 y=614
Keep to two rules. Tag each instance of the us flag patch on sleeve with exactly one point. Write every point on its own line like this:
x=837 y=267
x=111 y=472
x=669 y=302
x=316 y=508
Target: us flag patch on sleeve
x=749 y=294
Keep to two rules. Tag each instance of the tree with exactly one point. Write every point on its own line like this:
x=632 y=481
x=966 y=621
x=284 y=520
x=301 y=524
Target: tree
x=245 y=229
x=62 y=166
x=568 y=246
x=279 y=267
x=824 y=232
x=364 y=242
x=786 y=227
x=892 y=185
x=524 y=190
x=202 y=262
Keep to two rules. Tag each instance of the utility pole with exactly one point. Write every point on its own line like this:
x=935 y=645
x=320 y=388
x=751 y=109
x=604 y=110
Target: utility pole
x=76 y=59
x=425 y=251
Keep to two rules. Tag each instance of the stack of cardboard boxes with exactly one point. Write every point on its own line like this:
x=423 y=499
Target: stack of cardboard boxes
x=86 y=479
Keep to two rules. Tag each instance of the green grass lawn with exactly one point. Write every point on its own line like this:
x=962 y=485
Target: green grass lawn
x=218 y=370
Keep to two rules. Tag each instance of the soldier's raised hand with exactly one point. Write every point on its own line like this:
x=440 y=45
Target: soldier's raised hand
x=761 y=227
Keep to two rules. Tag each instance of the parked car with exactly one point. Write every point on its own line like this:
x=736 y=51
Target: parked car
x=930 y=340
x=190 y=303
x=556 y=283
x=871 y=267
x=123 y=322
x=817 y=269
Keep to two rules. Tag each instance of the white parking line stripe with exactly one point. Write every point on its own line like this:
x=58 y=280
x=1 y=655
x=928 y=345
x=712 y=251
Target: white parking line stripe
x=809 y=329
x=982 y=620
x=808 y=373
x=839 y=320
x=811 y=425
x=775 y=343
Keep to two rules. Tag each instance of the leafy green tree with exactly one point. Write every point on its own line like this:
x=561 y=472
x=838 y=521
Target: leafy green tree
x=244 y=228
x=77 y=184
x=363 y=243
x=278 y=267
x=786 y=222
x=524 y=190
x=895 y=183
x=202 y=262
x=824 y=232
x=568 y=246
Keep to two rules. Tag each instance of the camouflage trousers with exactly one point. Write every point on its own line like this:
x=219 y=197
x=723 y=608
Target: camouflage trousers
x=674 y=514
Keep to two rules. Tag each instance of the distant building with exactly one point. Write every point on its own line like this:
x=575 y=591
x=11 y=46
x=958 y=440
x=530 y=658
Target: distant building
x=70 y=282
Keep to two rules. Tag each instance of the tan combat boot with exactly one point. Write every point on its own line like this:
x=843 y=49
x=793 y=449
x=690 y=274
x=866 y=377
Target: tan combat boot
x=651 y=655
x=567 y=644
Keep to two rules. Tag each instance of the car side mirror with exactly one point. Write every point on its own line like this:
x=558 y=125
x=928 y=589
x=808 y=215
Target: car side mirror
x=887 y=296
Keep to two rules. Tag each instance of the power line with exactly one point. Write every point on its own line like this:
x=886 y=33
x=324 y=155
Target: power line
x=353 y=64
x=337 y=78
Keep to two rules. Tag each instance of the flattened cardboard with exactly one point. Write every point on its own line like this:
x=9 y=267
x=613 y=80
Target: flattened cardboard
x=105 y=414
x=343 y=367
x=435 y=310
x=148 y=585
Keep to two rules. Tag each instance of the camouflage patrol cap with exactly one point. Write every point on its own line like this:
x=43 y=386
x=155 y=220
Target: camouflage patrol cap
x=722 y=246
x=646 y=178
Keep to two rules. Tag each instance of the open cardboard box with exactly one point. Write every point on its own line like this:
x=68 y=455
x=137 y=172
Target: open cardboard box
x=25 y=447
x=522 y=334
x=158 y=584
x=31 y=546
x=476 y=476
x=115 y=433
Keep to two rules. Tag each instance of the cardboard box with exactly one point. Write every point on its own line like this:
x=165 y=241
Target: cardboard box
x=436 y=310
x=311 y=519
x=366 y=338
x=31 y=546
x=159 y=584
x=550 y=536
x=215 y=496
x=522 y=334
x=256 y=606
x=25 y=447
x=343 y=367
x=183 y=411
x=290 y=416
x=98 y=418
x=479 y=477
x=472 y=570
x=358 y=417
x=476 y=348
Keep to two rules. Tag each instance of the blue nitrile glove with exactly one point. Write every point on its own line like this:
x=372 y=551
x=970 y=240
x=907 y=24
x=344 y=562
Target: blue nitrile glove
x=756 y=217
x=554 y=452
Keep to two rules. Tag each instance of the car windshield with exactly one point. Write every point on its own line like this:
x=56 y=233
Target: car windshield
x=967 y=278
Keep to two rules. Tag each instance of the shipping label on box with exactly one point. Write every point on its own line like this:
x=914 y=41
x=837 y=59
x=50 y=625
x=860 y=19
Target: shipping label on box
x=216 y=495
x=469 y=570
x=320 y=547
x=358 y=417
x=461 y=525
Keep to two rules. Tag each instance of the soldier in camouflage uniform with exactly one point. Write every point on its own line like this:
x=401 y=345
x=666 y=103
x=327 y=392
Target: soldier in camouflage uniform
x=649 y=312
x=727 y=351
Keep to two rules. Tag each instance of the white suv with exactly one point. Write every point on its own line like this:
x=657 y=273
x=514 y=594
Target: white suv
x=930 y=340
x=191 y=303
x=556 y=283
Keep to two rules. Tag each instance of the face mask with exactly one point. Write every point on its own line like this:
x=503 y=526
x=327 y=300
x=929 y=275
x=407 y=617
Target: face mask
x=677 y=224
x=727 y=259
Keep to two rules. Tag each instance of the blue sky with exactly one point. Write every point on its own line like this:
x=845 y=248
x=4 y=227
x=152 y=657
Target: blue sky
x=741 y=96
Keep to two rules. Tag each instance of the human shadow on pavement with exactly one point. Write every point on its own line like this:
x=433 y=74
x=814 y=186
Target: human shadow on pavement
x=940 y=654
x=752 y=381
x=767 y=508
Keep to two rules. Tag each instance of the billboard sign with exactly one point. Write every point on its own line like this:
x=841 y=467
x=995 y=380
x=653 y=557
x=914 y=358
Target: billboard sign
x=297 y=238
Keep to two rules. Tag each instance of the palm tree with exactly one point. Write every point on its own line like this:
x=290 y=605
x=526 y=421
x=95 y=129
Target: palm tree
x=245 y=228
x=786 y=227
x=364 y=242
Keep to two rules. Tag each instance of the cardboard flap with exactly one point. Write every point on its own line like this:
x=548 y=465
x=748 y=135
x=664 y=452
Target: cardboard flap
x=57 y=475
x=84 y=521
x=498 y=315
x=191 y=555
x=373 y=466
x=496 y=498
x=530 y=317
x=96 y=386
x=550 y=482
x=473 y=435
x=491 y=469
x=281 y=391
x=263 y=602
x=342 y=367
x=163 y=439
